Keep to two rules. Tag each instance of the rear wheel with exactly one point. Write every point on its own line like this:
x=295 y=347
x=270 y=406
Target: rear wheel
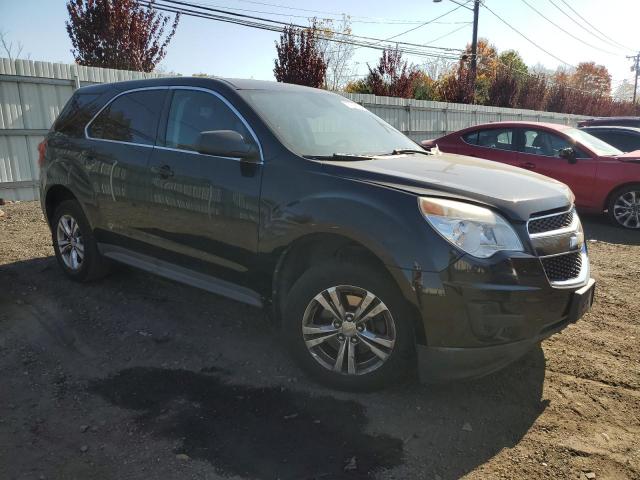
x=74 y=244
x=624 y=207
x=348 y=327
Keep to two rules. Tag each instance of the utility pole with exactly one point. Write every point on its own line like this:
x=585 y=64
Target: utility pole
x=636 y=69
x=474 y=47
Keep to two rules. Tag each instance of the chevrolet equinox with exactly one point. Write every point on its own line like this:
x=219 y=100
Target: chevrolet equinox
x=375 y=255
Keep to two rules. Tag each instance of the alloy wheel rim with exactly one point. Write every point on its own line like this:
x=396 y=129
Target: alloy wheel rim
x=348 y=330
x=70 y=242
x=626 y=209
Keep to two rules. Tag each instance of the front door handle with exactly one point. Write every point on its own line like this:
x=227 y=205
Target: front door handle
x=163 y=172
x=528 y=165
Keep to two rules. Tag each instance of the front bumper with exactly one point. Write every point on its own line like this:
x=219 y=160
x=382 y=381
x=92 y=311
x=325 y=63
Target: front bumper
x=448 y=363
x=479 y=315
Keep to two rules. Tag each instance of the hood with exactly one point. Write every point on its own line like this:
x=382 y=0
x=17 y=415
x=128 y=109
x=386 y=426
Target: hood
x=630 y=156
x=515 y=192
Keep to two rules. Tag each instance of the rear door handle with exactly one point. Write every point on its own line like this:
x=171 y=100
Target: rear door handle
x=528 y=165
x=163 y=172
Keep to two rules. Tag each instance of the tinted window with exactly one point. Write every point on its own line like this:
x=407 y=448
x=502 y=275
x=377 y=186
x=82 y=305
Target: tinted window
x=623 y=141
x=471 y=138
x=547 y=144
x=193 y=112
x=500 y=138
x=75 y=115
x=132 y=117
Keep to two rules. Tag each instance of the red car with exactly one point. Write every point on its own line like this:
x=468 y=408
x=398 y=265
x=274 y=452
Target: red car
x=602 y=177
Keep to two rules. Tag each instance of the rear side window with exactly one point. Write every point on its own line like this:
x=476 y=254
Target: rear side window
x=498 y=138
x=471 y=138
x=75 y=115
x=132 y=117
x=192 y=112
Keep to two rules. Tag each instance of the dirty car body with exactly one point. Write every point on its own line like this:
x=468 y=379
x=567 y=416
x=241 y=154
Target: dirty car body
x=262 y=192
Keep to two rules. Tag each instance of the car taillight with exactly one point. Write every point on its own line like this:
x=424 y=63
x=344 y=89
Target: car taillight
x=42 y=150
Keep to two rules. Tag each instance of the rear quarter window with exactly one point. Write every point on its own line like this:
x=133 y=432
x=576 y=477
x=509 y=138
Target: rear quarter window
x=76 y=114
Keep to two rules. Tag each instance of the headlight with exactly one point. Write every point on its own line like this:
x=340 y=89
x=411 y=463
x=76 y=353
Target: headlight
x=476 y=230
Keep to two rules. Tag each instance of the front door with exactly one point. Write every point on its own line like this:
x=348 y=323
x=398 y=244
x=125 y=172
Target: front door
x=204 y=209
x=540 y=154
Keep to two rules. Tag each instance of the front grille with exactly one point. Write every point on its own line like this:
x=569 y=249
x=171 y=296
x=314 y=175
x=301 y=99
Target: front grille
x=553 y=222
x=562 y=267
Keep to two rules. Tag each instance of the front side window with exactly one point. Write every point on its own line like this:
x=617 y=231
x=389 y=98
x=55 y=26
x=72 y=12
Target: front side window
x=547 y=144
x=499 y=138
x=192 y=112
x=132 y=117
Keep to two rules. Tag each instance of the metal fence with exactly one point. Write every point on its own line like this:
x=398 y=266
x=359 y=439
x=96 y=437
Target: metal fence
x=33 y=93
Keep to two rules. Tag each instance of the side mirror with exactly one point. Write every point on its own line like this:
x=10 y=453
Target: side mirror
x=569 y=154
x=227 y=143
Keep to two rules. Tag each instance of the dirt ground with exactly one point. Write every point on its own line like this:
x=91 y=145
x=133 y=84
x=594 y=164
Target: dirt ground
x=139 y=377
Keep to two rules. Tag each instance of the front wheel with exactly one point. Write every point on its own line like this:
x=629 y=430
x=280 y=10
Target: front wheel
x=349 y=327
x=624 y=207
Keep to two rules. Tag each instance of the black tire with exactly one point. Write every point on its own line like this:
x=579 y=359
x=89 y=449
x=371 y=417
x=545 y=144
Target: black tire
x=93 y=265
x=634 y=223
x=399 y=364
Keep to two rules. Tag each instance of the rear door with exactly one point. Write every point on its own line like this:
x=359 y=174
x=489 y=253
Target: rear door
x=540 y=153
x=204 y=208
x=497 y=144
x=120 y=140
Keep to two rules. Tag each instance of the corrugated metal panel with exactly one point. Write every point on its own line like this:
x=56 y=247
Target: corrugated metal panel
x=32 y=104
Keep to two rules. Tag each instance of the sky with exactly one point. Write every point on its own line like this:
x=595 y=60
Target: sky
x=227 y=50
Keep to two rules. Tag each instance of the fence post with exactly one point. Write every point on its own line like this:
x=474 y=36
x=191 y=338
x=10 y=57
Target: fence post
x=76 y=77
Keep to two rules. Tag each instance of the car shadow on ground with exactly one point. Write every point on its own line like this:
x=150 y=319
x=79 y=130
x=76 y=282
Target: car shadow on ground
x=599 y=228
x=241 y=413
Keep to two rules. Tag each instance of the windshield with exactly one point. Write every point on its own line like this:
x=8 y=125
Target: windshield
x=317 y=123
x=596 y=145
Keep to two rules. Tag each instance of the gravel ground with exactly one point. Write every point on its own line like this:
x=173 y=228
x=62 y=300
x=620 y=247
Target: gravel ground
x=138 y=377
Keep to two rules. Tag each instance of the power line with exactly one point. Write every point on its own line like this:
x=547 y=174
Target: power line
x=592 y=26
x=274 y=28
x=525 y=37
x=565 y=31
x=425 y=23
x=333 y=17
x=450 y=33
x=570 y=17
x=324 y=12
x=262 y=19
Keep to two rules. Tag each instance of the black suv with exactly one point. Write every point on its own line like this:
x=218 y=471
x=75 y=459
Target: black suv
x=373 y=253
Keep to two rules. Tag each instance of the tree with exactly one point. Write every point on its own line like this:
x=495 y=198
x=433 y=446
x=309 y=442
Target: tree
x=456 y=86
x=299 y=60
x=424 y=87
x=437 y=67
x=512 y=60
x=487 y=61
x=532 y=92
x=336 y=51
x=357 y=86
x=624 y=91
x=11 y=50
x=393 y=76
x=119 y=34
x=591 y=78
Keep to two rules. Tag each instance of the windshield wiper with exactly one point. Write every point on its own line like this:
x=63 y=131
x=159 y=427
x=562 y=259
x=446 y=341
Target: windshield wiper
x=339 y=157
x=401 y=151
